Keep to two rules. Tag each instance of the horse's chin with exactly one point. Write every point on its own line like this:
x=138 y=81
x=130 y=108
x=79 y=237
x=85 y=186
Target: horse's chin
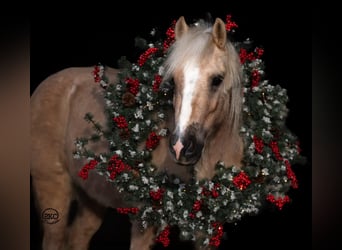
x=187 y=162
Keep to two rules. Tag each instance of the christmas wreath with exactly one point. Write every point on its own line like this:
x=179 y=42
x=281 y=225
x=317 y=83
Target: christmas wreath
x=136 y=106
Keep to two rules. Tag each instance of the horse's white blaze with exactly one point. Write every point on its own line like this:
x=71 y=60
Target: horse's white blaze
x=191 y=74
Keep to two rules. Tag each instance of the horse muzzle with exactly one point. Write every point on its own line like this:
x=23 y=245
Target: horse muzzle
x=187 y=149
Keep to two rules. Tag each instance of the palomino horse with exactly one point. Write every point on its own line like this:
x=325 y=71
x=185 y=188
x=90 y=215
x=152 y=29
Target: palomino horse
x=205 y=129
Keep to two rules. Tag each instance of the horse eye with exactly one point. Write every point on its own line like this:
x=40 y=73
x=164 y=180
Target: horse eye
x=216 y=81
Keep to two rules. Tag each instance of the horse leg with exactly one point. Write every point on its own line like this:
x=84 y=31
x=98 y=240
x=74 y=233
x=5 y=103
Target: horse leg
x=87 y=221
x=53 y=195
x=142 y=240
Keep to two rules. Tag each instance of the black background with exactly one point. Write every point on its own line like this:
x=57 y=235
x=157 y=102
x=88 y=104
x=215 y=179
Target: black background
x=83 y=39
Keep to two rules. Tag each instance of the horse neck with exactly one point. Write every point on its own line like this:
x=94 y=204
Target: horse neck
x=222 y=146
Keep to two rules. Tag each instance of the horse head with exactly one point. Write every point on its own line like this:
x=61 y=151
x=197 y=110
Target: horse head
x=207 y=98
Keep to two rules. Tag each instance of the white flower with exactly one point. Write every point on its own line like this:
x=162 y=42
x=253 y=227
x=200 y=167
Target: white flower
x=144 y=179
x=185 y=234
x=161 y=70
x=259 y=102
x=266 y=119
x=260 y=157
x=154 y=188
x=136 y=128
x=138 y=114
x=265 y=171
x=118 y=87
x=268 y=106
x=266 y=132
x=256 y=89
x=199 y=214
x=149 y=105
x=133 y=187
x=147 y=210
x=153 y=32
x=143 y=89
x=132 y=153
x=169 y=206
x=282 y=92
x=76 y=156
x=109 y=103
x=185 y=214
x=161 y=115
x=118 y=152
x=170 y=194
x=148 y=122
x=162 y=132
x=149 y=97
x=135 y=67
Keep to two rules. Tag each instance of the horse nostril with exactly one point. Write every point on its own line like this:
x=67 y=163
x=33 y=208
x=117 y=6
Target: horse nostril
x=190 y=149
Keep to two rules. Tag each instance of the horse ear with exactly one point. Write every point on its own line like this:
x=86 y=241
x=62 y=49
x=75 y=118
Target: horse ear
x=219 y=33
x=181 y=27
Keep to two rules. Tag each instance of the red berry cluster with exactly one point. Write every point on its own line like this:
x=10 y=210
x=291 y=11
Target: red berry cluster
x=241 y=181
x=96 y=71
x=280 y=202
x=156 y=83
x=170 y=36
x=127 y=210
x=244 y=56
x=163 y=237
x=133 y=85
x=275 y=150
x=152 y=140
x=195 y=208
x=229 y=23
x=121 y=121
x=258 y=144
x=216 y=239
x=83 y=173
x=116 y=166
x=255 y=78
x=214 y=192
x=291 y=175
x=146 y=55
x=157 y=195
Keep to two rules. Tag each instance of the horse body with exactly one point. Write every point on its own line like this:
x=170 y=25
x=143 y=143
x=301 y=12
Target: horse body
x=205 y=127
